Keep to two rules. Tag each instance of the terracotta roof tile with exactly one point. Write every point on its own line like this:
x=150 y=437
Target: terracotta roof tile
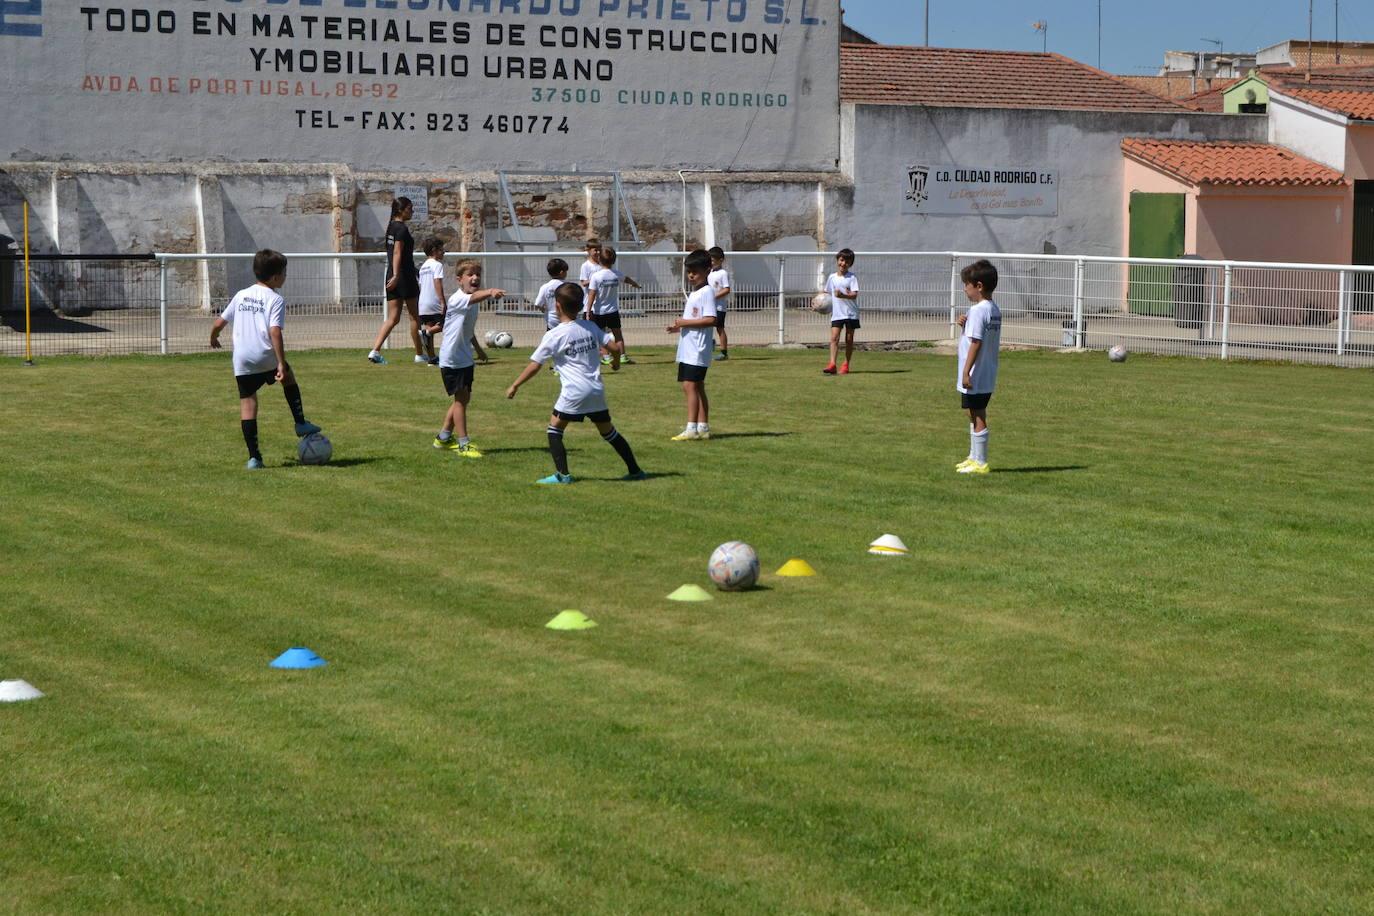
x=892 y=75
x=1355 y=104
x=1230 y=163
x=1173 y=86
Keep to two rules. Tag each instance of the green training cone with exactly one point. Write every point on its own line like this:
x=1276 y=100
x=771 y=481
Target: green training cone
x=690 y=593
x=571 y=620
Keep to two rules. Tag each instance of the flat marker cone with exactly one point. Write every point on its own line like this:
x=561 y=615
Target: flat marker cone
x=690 y=593
x=571 y=620
x=888 y=545
x=16 y=690
x=795 y=567
x=298 y=657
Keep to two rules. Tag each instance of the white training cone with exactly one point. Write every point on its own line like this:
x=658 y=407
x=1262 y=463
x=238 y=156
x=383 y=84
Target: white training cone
x=889 y=545
x=16 y=690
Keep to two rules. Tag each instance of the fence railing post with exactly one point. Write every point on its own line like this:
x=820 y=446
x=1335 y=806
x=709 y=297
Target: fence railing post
x=162 y=305
x=782 y=301
x=1226 y=312
x=954 y=289
x=1080 y=328
x=1342 y=313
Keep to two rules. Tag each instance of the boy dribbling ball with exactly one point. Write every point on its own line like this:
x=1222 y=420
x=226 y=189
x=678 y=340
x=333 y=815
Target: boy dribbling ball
x=978 y=345
x=257 y=314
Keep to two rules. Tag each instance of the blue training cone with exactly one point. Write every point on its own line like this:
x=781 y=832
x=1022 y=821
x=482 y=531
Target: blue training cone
x=298 y=657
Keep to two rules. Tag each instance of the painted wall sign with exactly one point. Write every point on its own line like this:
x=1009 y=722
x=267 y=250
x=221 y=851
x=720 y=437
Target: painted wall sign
x=426 y=84
x=962 y=190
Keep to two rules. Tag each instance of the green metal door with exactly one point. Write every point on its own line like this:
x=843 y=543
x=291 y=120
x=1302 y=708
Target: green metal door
x=1156 y=231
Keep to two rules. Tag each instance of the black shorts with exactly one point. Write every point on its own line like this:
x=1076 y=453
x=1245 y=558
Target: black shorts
x=607 y=322
x=720 y=318
x=596 y=416
x=686 y=372
x=850 y=323
x=975 y=401
x=456 y=380
x=435 y=320
x=250 y=383
x=408 y=287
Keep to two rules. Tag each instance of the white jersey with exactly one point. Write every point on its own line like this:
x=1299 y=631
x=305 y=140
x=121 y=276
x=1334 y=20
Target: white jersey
x=459 y=326
x=431 y=270
x=843 y=308
x=544 y=300
x=606 y=283
x=984 y=323
x=719 y=280
x=584 y=276
x=252 y=312
x=695 y=344
x=575 y=348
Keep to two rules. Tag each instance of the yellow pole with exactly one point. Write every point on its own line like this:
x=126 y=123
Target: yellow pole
x=28 y=327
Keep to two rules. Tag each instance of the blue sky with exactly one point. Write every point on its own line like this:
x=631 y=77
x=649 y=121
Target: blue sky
x=1135 y=35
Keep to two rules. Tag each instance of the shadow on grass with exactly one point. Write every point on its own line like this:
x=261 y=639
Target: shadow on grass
x=333 y=463
x=45 y=321
x=1046 y=469
x=523 y=448
x=879 y=371
x=653 y=475
x=716 y=435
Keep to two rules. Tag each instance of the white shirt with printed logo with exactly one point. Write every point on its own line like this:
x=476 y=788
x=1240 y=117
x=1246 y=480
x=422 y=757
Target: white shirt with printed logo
x=575 y=348
x=459 y=326
x=544 y=300
x=430 y=271
x=695 y=344
x=719 y=280
x=842 y=308
x=606 y=283
x=584 y=276
x=252 y=312
x=984 y=323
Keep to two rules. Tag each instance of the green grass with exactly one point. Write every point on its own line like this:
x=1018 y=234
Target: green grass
x=1126 y=672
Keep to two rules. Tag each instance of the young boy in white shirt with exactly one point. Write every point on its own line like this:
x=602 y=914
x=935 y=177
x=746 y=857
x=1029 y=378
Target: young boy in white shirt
x=603 y=299
x=431 y=296
x=558 y=275
x=694 y=346
x=258 y=313
x=456 y=356
x=719 y=279
x=843 y=288
x=574 y=347
x=978 y=345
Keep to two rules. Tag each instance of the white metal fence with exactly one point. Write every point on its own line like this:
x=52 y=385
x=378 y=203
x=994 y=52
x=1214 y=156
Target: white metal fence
x=1226 y=309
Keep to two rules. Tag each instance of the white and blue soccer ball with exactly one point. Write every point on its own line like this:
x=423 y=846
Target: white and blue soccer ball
x=315 y=449
x=502 y=339
x=1117 y=354
x=822 y=303
x=490 y=337
x=734 y=565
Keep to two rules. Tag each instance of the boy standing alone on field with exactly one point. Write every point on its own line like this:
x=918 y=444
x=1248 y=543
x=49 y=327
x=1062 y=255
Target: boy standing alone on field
x=257 y=314
x=456 y=356
x=978 y=346
x=695 y=344
x=843 y=288
x=719 y=279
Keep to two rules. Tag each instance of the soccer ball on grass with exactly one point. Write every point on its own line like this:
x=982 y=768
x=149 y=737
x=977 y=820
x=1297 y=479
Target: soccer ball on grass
x=502 y=339
x=1117 y=354
x=315 y=449
x=734 y=566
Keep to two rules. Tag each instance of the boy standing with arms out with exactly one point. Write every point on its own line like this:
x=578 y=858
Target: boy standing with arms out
x=257 y=314
x=843 y=288
x=574 y=346
x=432 y=296
x=455 y=356
x=603 y=299
x=719 y=279
x=694 y=347
x=978 y=345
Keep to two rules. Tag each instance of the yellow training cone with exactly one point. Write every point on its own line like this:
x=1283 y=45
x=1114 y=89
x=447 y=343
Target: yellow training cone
x=690 y=593
x=571 y=620
x=795 y=567
x=889 y=545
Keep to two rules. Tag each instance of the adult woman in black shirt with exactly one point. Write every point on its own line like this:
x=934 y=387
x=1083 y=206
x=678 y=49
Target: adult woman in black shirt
x=402 y=281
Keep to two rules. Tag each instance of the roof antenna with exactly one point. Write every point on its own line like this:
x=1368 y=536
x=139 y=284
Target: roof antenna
x=1308 y=77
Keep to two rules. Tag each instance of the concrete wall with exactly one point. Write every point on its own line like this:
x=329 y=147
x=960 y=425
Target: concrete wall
x=1307 y=130
x=1084 y=147
x=1304 y=225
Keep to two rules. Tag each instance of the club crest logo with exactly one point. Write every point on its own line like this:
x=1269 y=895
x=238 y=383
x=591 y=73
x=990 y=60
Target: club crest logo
x=916 y=178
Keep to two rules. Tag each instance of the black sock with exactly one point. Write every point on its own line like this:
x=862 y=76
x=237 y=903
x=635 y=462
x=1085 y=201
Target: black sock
x=622 y=448
x=250 y=437
x=293 y=400
x=556 y=449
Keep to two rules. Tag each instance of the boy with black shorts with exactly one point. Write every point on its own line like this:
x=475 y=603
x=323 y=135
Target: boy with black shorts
x=843 y=288
x=432 y=295
x=978 y=344
x=603 y=299
x=573 y=346
x=456 y=356
x=695 y=344
x=258 y=313
x=719 y=278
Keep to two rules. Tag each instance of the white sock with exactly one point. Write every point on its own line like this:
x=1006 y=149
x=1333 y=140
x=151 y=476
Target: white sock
x=372 y=353
x=703 y=427
x=979 y=442
x=691 y=428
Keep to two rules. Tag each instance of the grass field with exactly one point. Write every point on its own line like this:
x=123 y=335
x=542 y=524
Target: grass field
x=1127 y=672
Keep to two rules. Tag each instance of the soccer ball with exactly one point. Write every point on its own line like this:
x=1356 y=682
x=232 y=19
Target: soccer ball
x=490 y=337
x=502 y=339
x=315 y=449
x=734 y=565
x=1117 y=354
x=822 y=303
